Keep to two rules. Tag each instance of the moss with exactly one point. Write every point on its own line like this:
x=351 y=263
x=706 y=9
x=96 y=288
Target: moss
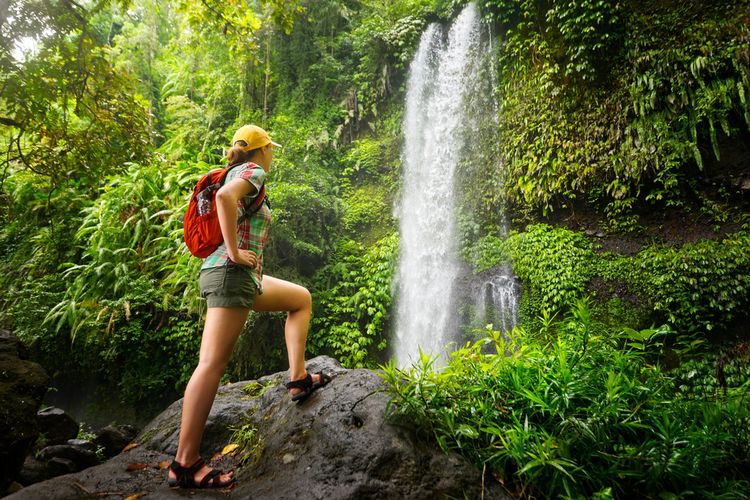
x=255 y=389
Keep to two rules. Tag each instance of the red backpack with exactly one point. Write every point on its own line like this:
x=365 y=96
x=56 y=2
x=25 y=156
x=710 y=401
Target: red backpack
x=201 y=228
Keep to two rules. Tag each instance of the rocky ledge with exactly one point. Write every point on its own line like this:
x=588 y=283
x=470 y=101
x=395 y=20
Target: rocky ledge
x=338 y=444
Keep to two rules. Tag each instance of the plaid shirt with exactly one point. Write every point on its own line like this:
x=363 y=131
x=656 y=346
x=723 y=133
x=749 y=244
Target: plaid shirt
x=252 y=231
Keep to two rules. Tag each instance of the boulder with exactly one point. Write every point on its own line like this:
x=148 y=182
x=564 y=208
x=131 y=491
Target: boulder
x=56 y=425
x=57 y=466
x=33 y=471
x=79 y=455
x=82 y=443
x=56 y=460
x=339 y=444
x=114 y=438
x=14 y=487
x=23 y=384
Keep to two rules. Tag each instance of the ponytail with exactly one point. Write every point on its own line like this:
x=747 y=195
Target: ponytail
x=237 y=154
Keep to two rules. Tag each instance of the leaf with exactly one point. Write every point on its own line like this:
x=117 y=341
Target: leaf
x=163 y=464
x=465 y=430
x=130 y=446
x=135 y=467
x=136 y=495
x=229 y=448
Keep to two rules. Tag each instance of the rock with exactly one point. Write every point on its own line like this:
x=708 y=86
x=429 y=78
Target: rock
x=57 y=466
x=114 y=438
x=14 y=487
x=22 y=387
x=57 y=426
x=33 y=471
x=81 y=457
x=338 y=445
x=82 y=443
x=56 y=460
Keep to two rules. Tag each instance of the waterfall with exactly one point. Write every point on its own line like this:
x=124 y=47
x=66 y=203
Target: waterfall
x=496 y=298
x=437 y=125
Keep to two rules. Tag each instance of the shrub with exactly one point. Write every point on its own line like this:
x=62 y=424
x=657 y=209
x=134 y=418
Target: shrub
x=700 y=286
x=153 y=349
x=696 y=288
x=554 y=265
x=579 y=414
x=355 y=305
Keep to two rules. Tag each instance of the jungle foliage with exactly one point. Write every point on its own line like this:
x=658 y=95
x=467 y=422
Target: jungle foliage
x=115 y=107
x=620 y=104
x=586 y=412
x=696 y=287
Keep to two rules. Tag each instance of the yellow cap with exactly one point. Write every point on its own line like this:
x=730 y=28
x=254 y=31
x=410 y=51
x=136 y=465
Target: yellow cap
x=254 y=136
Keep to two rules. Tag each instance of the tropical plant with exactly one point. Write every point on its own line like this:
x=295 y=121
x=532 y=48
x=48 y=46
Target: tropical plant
x=579 y=413
x=587 y=112
x=355 y=303
x=82 y=130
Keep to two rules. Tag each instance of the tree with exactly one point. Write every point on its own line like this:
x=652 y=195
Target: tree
x=69 y=114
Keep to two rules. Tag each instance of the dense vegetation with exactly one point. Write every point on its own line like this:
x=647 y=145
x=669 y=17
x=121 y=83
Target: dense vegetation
x=617 y=109
x=584 y=412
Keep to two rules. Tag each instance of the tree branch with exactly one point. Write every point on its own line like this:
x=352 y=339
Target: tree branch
x=10 y=122
x=72 y=6
x=23 y=158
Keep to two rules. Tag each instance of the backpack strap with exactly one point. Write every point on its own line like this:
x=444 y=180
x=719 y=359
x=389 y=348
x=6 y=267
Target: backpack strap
x=260 y=198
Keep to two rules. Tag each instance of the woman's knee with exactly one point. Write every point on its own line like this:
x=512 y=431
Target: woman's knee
x=280 y=295
x=305 y=299
x=210 y=369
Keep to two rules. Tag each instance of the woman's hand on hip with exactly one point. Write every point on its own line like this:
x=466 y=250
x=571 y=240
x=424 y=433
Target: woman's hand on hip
x=245 y=258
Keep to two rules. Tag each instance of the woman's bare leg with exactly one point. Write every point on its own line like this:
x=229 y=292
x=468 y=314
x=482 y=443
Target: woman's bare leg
x=280 y=295
x=223 y=327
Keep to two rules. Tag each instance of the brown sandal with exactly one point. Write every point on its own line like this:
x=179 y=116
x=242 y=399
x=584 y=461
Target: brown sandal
x=185 y=476
x=307 y=386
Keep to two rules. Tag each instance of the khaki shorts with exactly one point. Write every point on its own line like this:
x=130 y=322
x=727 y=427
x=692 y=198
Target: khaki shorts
x=227 y=286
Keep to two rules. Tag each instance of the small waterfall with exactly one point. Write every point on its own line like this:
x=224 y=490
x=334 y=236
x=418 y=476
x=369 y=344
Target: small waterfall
x=438 y=126
x=496 y=298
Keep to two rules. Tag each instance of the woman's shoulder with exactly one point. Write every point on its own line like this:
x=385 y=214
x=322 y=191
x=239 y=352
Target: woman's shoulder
x=246 y=167
x=249 y=171
x=252 y=173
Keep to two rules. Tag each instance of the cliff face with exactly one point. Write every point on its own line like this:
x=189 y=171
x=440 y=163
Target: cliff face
x=337 y=444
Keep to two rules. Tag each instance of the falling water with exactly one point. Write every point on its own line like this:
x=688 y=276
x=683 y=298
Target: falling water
x=496 y=300
x=437 y=122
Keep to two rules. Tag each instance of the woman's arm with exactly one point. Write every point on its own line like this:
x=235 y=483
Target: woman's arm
x=226 y=207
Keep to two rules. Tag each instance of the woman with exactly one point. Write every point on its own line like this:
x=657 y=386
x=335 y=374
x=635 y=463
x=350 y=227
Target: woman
x=232 y=282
